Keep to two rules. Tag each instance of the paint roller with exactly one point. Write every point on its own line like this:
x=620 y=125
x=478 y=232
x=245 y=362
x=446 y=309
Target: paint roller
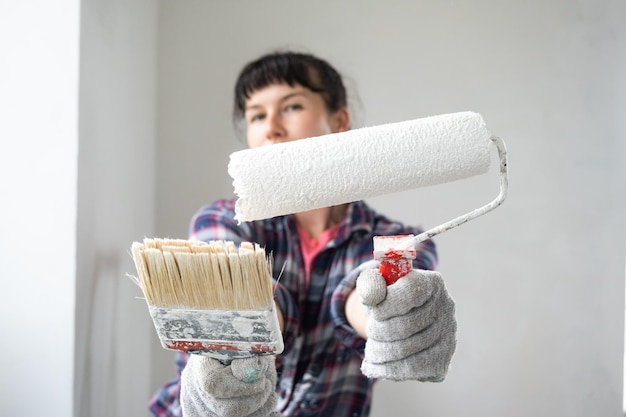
x=368 y=162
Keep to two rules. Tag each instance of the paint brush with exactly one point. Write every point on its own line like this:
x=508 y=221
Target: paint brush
x=213 y=299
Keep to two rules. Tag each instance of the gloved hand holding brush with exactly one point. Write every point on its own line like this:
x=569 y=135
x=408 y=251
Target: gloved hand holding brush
x=246 y=387
x=411 y=328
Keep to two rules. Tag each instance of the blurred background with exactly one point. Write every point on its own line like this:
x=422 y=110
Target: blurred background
x=116 y=125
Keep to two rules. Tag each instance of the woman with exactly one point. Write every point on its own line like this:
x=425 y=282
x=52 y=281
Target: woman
x=411 y=328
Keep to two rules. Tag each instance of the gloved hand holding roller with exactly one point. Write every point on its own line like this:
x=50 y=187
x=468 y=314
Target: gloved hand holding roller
x=411 y=329
x=302 y=201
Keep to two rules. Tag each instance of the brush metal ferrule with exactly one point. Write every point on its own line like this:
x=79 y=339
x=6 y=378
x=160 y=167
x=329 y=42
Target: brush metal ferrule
x=222 y=334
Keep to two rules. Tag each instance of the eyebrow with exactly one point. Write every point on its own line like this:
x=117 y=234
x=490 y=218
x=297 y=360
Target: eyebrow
x=285 y=98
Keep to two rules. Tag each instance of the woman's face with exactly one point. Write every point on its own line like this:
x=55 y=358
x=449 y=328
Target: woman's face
x=281 y=113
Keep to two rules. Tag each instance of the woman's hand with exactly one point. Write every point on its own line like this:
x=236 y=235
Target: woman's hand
x=245 y=387
x=411 y=328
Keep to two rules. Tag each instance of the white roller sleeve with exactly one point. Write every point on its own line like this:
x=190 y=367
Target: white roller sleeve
x=362 y=163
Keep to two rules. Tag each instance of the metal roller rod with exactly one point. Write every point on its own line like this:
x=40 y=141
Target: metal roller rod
x=504 y=185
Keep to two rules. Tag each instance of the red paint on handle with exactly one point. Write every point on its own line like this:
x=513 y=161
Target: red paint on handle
x=396 y=256
x=394 y=265
x=199 y=345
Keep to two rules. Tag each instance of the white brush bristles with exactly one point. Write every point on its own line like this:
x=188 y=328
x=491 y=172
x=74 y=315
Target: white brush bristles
x=179 y=273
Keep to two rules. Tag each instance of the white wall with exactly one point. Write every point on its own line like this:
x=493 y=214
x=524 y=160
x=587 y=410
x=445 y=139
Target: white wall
x=39 y=144
x=539 y=283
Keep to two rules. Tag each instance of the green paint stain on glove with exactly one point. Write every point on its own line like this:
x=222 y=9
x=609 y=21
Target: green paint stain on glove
x=251 y=374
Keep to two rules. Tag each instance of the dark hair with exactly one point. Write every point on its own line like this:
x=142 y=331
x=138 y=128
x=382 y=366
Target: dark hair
x=291 y=68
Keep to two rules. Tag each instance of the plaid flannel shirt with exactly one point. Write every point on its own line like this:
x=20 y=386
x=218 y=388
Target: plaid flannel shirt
x=319 y=370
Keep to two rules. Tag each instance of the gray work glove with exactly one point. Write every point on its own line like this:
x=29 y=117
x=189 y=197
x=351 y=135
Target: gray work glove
x=246 y=387
x=411 y=329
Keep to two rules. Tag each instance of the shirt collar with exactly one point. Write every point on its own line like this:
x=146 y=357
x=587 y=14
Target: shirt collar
x=359 y=219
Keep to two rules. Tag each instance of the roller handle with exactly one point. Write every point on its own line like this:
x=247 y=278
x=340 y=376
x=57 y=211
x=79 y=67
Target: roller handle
x=394 y=262
x=393 y=268
x=396 y=253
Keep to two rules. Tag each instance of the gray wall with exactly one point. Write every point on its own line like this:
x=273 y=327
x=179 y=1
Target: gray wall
x=116 y=196
x=539 y=283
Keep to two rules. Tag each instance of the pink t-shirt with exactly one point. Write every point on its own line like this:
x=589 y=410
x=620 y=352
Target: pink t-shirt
x=311 y=247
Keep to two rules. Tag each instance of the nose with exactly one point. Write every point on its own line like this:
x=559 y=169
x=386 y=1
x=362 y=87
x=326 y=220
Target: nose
x=274 y=129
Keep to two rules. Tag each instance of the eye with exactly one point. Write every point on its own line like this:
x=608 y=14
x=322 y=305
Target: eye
x=255 y=117
x=294 y=107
